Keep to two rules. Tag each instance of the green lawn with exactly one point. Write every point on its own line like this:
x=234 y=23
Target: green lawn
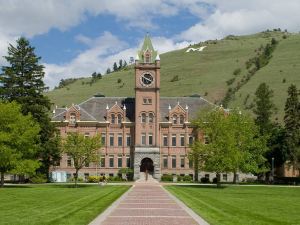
x=242 y=205
x=55 y=204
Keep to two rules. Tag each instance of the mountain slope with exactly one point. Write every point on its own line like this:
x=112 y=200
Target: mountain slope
x=205 y=73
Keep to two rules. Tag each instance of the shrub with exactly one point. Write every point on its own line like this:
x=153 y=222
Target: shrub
x=230 y=81
x=167 y=177
x=187 y=178
x=215 y=180
x=237 y=71
x=204 y=180
x=179 y=178
x=93 y=179
x=175 y=78
x=38 y=179
x=284 y=80
x=119 y=80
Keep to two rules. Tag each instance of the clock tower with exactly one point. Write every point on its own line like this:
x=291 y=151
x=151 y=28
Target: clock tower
x=147 y=115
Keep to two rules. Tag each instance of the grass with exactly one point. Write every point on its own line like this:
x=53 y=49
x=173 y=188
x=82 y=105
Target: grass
x=242 y=205
x=204 y=73
x=55 y=204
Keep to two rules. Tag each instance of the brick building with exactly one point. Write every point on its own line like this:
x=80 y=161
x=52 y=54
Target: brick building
x=148 y=132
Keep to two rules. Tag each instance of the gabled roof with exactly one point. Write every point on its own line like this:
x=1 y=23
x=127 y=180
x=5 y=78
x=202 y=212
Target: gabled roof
x=94 y=109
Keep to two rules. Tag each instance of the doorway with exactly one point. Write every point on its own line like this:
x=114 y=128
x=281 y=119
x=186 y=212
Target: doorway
x=147 y=165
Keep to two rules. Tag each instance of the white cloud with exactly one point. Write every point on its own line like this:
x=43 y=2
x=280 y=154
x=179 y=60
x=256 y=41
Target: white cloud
x=103 y=52
x=244 y=17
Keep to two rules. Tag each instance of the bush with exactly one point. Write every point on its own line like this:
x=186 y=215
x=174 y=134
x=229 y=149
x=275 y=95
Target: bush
x=179 y=178
x=93 y=179
x=167 y=177
x=215 y=180
x=230 y=81
x=204 y=180
x=237 y=71
x=175 y=78
x=119 y=80
x=187 y=178
x=38 y=179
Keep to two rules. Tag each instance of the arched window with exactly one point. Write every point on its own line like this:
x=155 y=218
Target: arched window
x=151 y=117
x=174 y=119
x=181 y=119
x=147 y=57
x=113 y=118
x=72 y=118
x=143 y=118
x=119 y=119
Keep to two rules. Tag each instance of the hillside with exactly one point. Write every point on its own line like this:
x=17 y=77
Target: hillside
x=205 y=73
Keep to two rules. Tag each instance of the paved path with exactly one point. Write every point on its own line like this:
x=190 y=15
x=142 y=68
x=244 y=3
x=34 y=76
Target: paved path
x=148 y=203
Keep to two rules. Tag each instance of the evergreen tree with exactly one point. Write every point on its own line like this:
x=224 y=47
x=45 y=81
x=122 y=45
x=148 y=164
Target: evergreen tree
x=108 y=71
x=264 y=108
x=292 y=125
x=120 y=64
x=22 y=81
x=115 y=67
x=125 y=64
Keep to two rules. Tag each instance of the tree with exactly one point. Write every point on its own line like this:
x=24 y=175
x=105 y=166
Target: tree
x=125 y=63
x=120 y=64
x=292 y=125
x=22 y=81
x=234 y=143
x=108 y=71
x=197 y=156
x=18 y=141
x=264 y=108
x=82 y=150
x=115 y=66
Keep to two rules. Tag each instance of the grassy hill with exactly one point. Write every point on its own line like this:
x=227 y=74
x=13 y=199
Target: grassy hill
x=206 y=73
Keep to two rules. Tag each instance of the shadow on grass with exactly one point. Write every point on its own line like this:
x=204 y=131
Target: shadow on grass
x=201 y=186
x=70 y=186
x=15 y=186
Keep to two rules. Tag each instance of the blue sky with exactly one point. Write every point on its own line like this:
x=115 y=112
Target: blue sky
x=76 y=38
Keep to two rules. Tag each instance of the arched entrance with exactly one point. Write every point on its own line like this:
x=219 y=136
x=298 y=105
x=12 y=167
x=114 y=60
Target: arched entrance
x=147 y=165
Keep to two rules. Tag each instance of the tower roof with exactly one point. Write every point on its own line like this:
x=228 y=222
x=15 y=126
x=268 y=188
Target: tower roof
x=147 y=46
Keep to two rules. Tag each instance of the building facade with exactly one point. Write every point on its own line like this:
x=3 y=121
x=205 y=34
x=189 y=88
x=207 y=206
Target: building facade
x=146 y=133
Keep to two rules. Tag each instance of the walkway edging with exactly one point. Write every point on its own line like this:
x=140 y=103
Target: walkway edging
x=194 y=215
x=100 y=218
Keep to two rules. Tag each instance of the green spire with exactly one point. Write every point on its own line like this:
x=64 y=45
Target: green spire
x=147 y=47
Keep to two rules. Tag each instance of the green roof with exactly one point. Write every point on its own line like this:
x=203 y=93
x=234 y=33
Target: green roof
x=147 y=45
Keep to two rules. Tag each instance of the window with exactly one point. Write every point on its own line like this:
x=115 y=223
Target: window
x=182 y=161
x=111 y=161
x=119 y=119
x=165 y=161
x=150 y=139
x=86 y=135
x=86 y=176
x=128 y=161
x=165 y=140
x=181 y=119
x=151 y=117
x=174 y=119
x=111 y=139
x=173 y=161
x=191 y=139
x=207 y=176
x=147 y=57
x=113 y=118
x=224 y=177
x=120 y=140
x=182 y=140
x=128 y=140
x=69 y=162
x=147 y=101
x=72 y=118
x=102 y=161
x=174 y=140
x=119 y=161
x=143 y=137
x=143 y=120
x=103 y=137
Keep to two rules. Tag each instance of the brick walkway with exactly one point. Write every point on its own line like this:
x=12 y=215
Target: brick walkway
x=147 y=203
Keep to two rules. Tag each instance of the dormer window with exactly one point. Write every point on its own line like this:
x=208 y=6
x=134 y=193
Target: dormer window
x=175 y=119
x=72 y=118
x=181 y=119
x=147 y=57
x=119 y=119
x=113 y=119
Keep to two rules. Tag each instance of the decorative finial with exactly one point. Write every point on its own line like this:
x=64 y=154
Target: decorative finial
x=53 y=111
x=124 y=107
x=107 y=108
x=221 y=105
x=157 y=58
x=186 y=107
x=240 y=112
x=56 y=106
x=116 y=103
x=137 y=58
x=178 y=103
x=169 y=107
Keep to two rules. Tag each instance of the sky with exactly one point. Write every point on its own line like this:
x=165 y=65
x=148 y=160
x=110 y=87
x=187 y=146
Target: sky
x=78 y=37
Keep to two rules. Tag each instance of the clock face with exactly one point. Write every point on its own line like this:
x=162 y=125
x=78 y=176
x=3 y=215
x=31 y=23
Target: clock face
x=147 y=79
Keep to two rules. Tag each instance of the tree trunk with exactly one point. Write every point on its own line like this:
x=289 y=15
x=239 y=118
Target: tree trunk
x=218 y=180
x=234 y=177
x=196 y=169
x=76 y=178
x=2 y=179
